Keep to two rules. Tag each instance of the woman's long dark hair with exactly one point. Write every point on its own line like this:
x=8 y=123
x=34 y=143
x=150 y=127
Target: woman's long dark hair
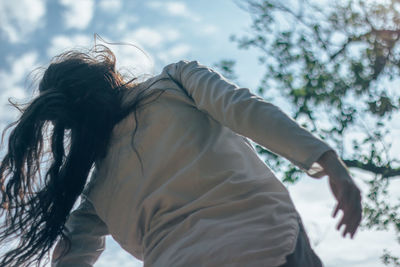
x=80 y=99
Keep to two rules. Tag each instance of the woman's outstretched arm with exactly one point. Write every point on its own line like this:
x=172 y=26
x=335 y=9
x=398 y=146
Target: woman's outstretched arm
x=253 y=117
x=247 y=114
x=86 y=234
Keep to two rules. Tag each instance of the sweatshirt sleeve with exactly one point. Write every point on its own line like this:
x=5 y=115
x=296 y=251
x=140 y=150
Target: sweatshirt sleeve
x=249 y=115
x=86 y=232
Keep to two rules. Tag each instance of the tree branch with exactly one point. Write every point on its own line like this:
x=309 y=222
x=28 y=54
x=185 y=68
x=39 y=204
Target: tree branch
x=350 y=39
x=384 y=171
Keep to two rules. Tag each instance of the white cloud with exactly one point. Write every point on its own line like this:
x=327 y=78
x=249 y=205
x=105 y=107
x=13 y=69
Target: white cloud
x=122 y=23
x=154 y=37
x=133 y=61
x=78 y=14
x=110 y=5
x=159 y=39
x=136 y=61
x=19 y=18
x=61 y=43
x=155 y=4
x=174 y=8
x=209 y=29
x=14 y=82
x=148 y=37
x=171 y=34
x=179 y=50
x=175 y=53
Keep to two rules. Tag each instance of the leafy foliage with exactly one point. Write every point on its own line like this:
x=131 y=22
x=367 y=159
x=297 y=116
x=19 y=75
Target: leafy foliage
x=387 y=259
x=338 y=64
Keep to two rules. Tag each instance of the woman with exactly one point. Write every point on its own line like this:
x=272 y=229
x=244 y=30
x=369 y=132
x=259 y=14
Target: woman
x=173 y=178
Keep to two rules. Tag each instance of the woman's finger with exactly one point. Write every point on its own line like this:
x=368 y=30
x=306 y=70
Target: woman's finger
x=335 y=210
x=341 y=222
x=352 y=214
x=356 y=216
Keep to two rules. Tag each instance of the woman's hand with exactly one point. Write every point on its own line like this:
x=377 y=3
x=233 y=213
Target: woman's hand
x=347 y=194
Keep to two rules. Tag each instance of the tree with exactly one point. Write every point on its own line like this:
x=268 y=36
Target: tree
x=337 y=63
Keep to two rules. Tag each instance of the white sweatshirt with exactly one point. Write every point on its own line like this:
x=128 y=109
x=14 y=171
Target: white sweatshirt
x=204 y=197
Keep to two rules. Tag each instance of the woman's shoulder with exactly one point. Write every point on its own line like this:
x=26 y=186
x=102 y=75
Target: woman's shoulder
x=182 y=65
x=171 y=70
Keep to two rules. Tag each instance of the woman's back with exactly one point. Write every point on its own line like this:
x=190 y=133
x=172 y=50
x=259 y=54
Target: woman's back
x=203 y=195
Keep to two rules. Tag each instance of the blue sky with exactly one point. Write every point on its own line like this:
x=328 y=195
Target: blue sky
x=33 y=31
